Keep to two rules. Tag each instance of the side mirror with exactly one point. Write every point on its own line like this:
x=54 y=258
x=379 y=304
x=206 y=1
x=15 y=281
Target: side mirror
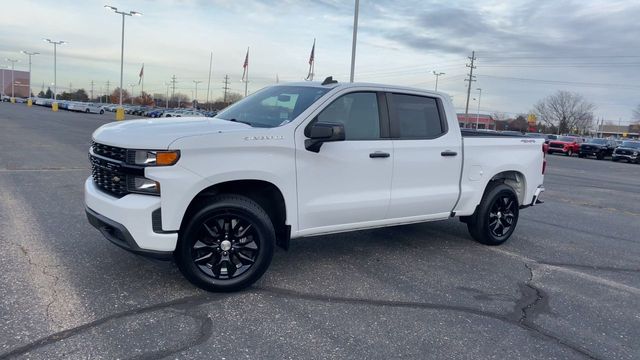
x=319 y=133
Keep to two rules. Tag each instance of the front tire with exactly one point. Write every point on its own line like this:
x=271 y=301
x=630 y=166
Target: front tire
x=496 y=217
x=227 y=245
x=569 y=153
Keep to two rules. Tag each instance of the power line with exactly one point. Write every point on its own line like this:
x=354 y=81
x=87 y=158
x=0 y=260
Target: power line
x=560 y=82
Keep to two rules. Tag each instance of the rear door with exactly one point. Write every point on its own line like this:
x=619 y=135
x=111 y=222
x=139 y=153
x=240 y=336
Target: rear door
x=427 y=158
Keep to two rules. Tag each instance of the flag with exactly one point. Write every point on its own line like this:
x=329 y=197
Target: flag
x=141 y=74
x=312 y=59
x=313 y=50
x=245 y=66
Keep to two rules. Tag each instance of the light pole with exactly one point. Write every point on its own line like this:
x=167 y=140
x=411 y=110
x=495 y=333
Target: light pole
x=29 y=54
x=354 y=39
x=2 y=90
x=166 y=106
x=13 y=65
x=132 y=86
x=120 y=111
x=55 y=49
x=478 y=114
x=437 y=74
x=196 y=97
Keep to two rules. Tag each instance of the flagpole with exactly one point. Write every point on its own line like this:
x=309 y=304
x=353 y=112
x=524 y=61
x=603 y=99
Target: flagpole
x=354 y=40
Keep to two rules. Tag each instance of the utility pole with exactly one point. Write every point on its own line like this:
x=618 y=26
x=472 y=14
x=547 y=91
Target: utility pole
x=195 y=98
x=173 y=86
x=91 y=90
x=225 y=88
x=166 y=106
x=437 y=74
x=55 y=76
x=108 y=94
x=70 y=86
x=470 y=80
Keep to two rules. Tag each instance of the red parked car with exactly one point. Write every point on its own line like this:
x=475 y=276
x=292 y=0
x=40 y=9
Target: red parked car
x=567 y=145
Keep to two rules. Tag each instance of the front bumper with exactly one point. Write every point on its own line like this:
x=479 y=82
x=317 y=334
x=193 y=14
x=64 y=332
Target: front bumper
x=625 y=157
x=127 y=221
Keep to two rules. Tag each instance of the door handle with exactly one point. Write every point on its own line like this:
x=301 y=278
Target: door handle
x=379 y=154
x=448 y=153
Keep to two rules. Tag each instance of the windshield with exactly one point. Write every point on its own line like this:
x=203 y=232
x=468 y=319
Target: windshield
x=631 y=144
x=273 y=106
x=598 y=141
x=566 y=139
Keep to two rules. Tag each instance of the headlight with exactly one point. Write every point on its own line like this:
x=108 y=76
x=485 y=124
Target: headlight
x=155 y=158
x=139 y=184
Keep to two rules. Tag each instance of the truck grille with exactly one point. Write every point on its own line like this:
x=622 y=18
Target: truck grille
x=111 y=152
x=108 y=173
x=556 y=145
x=623 y=152
x=108 y=176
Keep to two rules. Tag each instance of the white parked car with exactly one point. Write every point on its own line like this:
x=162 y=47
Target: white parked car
x=296 y=160
x=182 y=113
x=86 y=107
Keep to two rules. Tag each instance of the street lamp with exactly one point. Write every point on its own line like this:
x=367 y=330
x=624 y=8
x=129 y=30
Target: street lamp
x=132 y=86
x=120 y=112
x=13 y=65
x=478 y=114
x=55 y=48
x=196 y=97
x=437 y=74
x=29 y=54
x=2 y=90
x=354 y=40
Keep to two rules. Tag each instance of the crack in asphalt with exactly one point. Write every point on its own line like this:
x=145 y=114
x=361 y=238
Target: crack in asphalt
x=43 y=269
x=531 y=306
x=591 y=267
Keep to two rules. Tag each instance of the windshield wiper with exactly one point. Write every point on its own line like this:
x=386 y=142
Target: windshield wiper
x=238 y=121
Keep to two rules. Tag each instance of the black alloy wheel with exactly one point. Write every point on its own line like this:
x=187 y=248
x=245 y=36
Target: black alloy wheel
x=502 y=215
x=227 y=244
x=495 y=219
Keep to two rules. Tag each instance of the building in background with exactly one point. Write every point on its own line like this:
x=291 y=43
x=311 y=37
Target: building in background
x=484 y=121
x=21 y=85
x=620 y=131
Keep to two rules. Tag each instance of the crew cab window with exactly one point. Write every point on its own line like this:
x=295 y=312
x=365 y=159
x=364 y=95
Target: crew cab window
x=358 y=112
x=415 y=116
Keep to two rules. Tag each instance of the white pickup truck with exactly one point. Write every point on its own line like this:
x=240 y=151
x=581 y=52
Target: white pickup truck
x=299 y=160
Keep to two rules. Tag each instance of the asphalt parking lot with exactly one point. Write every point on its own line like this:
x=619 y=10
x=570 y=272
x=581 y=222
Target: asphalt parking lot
x=566 y=285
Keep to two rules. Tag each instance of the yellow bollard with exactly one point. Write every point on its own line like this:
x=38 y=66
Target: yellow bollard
x=13 y=100
x=54 y=106
x=119 y=114
x=29 y=103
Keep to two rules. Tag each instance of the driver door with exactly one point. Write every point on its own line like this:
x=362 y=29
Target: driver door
x=347 y=184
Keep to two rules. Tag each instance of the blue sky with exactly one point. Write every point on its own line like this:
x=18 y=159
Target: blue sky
x=526 y=49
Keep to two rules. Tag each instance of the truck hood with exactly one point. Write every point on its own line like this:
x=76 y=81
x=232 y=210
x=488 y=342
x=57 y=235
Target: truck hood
x=159 y=133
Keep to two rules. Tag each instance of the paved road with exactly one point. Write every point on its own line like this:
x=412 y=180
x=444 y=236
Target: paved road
x=566 y=285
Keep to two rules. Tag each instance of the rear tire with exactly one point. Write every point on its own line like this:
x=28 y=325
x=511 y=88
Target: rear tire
x=496 y=217
x=569 y=153
x=227 y=245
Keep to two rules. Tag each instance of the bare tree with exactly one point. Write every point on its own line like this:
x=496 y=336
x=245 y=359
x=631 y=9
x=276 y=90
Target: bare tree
x=568 y=111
